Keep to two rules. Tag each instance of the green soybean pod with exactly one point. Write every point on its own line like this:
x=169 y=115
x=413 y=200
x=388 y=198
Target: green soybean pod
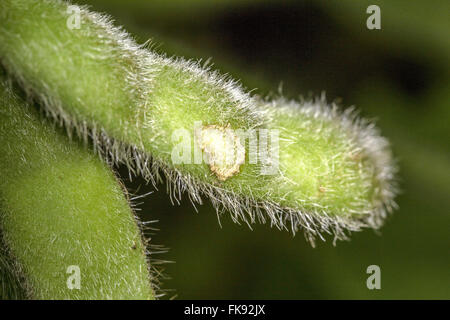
x=331 y=172
x=67 y=229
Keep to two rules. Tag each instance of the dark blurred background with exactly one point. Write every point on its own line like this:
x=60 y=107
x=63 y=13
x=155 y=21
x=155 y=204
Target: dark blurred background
x=398 y=75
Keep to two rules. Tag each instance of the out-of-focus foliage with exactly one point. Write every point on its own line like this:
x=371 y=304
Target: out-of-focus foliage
x=399 y=74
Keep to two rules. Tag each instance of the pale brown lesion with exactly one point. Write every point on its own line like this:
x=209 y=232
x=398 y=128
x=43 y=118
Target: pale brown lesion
x=356 y=156
x=223 y=149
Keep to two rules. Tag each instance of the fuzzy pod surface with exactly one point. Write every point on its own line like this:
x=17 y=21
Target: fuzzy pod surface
x=67 y=228
x=334 y=173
